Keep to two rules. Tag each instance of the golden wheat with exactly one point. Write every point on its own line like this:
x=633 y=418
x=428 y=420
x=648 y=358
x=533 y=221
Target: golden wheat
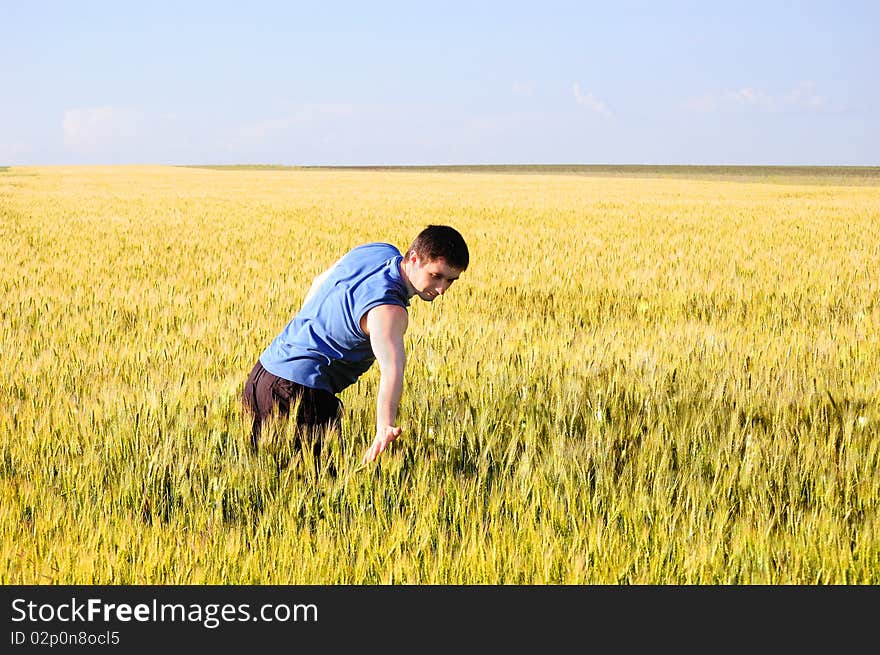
x=638 y=380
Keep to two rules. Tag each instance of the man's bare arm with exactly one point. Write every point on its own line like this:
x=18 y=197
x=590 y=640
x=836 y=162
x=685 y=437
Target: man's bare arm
x=386 y=325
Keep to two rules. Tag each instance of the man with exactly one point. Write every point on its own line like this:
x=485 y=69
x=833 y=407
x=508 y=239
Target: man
x=354 y=313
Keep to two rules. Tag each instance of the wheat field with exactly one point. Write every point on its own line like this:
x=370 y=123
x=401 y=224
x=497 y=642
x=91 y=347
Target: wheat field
x=639 y=380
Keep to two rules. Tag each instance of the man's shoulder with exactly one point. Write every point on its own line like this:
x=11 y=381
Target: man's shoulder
x=369 y=256
x=372 y=273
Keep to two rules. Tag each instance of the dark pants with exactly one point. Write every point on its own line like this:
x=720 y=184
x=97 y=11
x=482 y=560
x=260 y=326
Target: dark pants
x=266 y=395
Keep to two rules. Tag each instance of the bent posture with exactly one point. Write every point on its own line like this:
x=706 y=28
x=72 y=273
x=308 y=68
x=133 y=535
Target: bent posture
x=354 y=313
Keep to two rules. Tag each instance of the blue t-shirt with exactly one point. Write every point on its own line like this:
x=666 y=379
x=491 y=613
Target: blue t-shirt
x=323 y=346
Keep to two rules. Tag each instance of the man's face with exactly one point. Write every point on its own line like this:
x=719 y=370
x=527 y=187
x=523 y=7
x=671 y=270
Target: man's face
x=430 y=278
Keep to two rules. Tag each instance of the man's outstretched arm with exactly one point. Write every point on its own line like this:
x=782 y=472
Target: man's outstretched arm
x=386 y=325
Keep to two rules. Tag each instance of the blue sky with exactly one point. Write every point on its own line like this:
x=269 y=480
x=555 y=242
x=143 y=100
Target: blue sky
x=408 y=83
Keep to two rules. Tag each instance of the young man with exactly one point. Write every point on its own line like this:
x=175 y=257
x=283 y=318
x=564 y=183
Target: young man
x=354 y=313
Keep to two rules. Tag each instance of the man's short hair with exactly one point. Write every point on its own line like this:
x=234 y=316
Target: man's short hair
x=441 y=242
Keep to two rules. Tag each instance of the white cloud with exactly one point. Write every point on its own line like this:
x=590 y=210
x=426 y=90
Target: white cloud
x=748 y=96
x=87 y=129
x=803 y=97
x=806 y=97
x=590 y=101
x=302 y=120
x=523 y=88
x=701 y=104
x=12 y=152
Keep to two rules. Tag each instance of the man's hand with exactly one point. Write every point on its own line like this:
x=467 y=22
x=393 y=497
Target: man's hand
x=384 y=436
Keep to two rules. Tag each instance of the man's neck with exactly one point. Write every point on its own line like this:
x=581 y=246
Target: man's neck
x=410 y=289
